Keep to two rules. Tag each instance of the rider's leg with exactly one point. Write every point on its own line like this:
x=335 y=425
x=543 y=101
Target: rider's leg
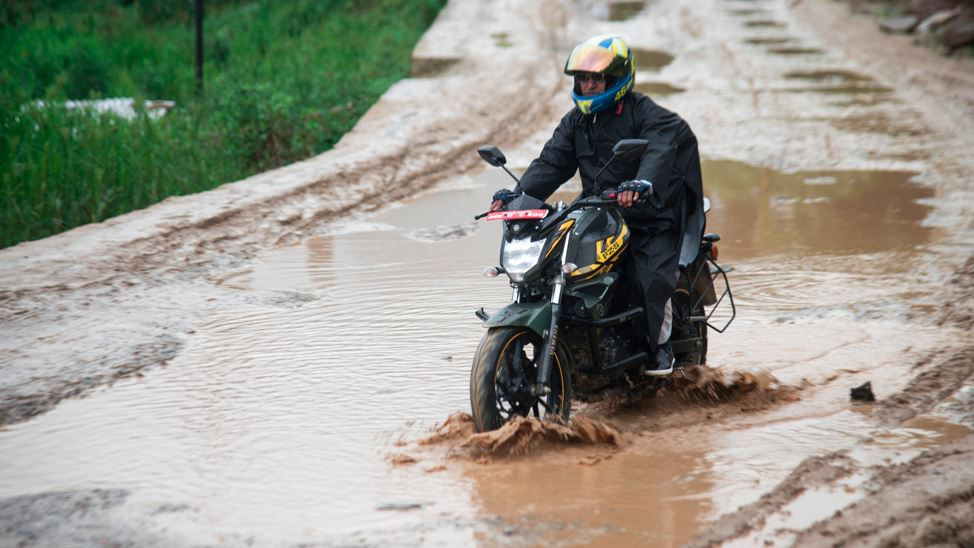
x=666 y=329
x=653 y=262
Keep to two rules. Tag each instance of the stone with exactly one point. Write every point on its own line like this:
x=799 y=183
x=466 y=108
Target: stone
x=863 y=392
x=925 y=8
x=937 y=20
x=959 y=32
x=903 y=24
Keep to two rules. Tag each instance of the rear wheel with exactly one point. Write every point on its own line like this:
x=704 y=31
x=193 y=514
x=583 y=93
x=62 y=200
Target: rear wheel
x=504 y=370
x=689 y=337
x=696 y=350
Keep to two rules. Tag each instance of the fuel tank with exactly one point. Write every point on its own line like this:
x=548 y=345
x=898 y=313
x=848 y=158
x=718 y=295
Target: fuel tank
x=598 y=238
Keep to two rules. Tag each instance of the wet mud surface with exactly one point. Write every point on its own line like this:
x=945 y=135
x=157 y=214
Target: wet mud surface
x=316 y=348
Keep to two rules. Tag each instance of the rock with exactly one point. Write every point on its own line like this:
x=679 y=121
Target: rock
x=925 y=8
x=937 y=20
x=899 y=25
x=863 y=392
x=960 y=31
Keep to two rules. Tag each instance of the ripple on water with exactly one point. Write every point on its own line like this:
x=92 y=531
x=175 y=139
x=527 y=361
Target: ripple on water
x=276 y=421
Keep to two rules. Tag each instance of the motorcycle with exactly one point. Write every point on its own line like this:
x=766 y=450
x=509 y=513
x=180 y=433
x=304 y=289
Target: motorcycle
x=567 y=332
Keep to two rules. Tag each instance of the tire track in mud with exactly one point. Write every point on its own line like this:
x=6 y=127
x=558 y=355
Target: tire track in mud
x=926 y=501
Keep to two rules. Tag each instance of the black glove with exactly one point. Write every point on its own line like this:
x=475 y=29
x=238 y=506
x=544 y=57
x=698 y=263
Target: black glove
x=644 y=188
x=504 y=195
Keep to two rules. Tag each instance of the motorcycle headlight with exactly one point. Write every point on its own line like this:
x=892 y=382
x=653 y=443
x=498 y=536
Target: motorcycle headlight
x=519 y=256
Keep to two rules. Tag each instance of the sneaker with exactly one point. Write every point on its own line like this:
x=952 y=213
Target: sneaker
x=664 y=361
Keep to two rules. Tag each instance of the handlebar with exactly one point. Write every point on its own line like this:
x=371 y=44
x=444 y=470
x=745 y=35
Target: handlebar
x=607 y=198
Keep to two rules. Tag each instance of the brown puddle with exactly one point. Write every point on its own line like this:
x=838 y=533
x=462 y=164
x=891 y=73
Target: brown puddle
x=764 y=211
x=622 y=10
x=767 y=41
x=865 y=100
x=651 y=59
x=621 y=499
x=877 y=123
x=430 y=67
x=912 y=156
x=747 y=11
x=796 y=51
x=658 y=89
x=764 y=23
x=837 y=81
x=502 y=39
x=845 y=90
x=828 y=76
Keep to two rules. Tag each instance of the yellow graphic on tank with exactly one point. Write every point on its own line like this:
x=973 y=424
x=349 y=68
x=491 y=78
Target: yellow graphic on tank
x=607 y=252
x=562 y=230
x=607 y=248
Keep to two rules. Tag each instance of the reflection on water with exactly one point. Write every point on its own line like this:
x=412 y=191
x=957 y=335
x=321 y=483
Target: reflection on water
x=760 y=211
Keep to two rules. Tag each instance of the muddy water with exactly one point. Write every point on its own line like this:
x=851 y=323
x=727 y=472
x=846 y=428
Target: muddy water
x=278 y=422
x=284 y=419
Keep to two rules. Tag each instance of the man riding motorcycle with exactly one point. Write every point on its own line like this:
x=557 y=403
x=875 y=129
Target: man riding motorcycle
x=659 y=191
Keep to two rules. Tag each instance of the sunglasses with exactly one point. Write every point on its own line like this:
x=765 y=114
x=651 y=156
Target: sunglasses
x=597 y=77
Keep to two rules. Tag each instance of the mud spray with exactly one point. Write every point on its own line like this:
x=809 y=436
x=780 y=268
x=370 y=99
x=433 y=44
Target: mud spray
x=699 y=387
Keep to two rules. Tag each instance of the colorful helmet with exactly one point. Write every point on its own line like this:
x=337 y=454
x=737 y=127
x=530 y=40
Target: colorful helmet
x=611 y=56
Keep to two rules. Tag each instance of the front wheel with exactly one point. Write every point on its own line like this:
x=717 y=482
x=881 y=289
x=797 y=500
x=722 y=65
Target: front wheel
x=505 y=368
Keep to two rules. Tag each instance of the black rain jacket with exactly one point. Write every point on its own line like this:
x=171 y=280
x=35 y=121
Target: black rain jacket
x=584 y=143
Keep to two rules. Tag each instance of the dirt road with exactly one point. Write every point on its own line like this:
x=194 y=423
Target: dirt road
x=315 y=321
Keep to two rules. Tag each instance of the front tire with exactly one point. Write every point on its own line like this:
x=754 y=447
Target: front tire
x=504 y=370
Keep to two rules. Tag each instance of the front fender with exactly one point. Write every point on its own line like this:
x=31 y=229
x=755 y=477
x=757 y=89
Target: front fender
x=534 y=316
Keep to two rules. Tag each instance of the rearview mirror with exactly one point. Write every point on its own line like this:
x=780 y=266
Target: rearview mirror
x=629 y=148
x=492 y=155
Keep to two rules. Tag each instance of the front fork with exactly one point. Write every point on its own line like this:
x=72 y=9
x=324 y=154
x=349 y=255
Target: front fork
x=542 y=388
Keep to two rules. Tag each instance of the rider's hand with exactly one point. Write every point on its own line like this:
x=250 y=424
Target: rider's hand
x=501 y=198
x=629 y=192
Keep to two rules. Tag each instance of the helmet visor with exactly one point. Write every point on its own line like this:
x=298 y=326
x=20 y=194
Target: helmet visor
x=588 y=58
x=595 y=58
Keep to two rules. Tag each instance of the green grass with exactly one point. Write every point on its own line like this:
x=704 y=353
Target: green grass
x=284 y=80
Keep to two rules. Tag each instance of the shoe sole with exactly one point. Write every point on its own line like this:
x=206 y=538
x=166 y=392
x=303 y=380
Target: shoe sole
x=658 y=372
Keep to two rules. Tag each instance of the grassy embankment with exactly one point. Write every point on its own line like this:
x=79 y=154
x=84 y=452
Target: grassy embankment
x=284 y=81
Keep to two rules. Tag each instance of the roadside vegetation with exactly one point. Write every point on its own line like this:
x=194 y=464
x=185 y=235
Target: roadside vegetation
x=284 y=81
